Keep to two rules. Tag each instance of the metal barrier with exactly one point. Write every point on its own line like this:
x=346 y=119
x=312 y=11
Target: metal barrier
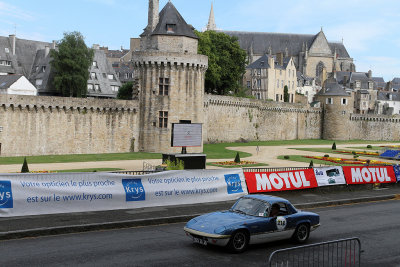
x=343 y=252
x=135 y=172
x=278 y=169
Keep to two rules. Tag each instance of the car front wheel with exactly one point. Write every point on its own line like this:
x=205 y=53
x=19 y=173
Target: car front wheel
x=238 y=242
x=302 y=233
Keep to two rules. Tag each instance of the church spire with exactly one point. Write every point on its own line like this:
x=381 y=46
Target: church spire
x=211 y=26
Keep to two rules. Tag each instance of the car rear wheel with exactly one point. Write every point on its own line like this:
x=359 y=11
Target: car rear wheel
x=302 y=233
x=238 y=242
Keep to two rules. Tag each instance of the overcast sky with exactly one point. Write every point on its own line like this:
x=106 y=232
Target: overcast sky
x=369 y=28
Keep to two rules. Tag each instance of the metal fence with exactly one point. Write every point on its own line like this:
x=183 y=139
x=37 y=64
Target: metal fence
x=343 y=252
x=135 y=172
x=278 y=169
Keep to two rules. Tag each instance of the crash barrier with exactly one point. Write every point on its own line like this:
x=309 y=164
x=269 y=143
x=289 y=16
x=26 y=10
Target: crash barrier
x=273 y=169
x=135 y=172
x=343 y=252
x=305 y=178
x=37 y=194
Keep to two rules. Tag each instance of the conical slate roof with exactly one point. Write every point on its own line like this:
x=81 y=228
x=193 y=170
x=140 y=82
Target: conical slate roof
x=333 y=88
x=169 y=15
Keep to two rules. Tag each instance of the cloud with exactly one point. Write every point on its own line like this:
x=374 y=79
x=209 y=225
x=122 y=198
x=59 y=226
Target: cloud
x=10 y=11
x=388 y=67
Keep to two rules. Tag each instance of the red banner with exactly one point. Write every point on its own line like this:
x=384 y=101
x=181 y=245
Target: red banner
x=258 y=182
x=369 y=174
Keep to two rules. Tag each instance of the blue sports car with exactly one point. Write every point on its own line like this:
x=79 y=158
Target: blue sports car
x=252 y=219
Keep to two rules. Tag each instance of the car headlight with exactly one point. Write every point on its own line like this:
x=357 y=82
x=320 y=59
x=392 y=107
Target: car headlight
x=220 y=230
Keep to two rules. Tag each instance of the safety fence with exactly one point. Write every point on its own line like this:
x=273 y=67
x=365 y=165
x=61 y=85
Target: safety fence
x=343 y=252
x=277 y=169
x=135 y=172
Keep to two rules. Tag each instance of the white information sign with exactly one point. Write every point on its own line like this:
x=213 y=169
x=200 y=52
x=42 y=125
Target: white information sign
x=329 y=176
x=187 y=135
x=36 y=194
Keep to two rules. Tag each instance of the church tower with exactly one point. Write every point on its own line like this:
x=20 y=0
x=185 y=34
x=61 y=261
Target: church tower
x=171 y=78
x=211 y=26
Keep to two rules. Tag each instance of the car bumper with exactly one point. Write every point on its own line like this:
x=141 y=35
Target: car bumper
x=207 y=238
x=313 y=227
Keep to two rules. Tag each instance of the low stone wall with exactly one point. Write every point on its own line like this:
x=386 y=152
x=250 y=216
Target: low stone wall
x=229 y=119
x=58 y=125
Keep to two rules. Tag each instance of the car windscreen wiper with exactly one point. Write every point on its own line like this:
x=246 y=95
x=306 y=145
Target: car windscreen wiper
x=240 y=211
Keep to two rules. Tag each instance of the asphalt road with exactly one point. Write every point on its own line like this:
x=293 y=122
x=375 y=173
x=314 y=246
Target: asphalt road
x=376 y=224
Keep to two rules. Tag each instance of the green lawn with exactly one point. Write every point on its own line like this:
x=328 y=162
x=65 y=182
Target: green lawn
x=316 y=162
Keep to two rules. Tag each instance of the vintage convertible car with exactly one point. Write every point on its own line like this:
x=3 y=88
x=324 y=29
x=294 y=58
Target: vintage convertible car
x=252 y=219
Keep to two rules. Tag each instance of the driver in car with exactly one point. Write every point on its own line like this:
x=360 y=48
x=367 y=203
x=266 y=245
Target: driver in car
x=275 y=210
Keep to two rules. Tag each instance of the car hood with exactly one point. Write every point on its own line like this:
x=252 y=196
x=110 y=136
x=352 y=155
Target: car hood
x=210 y=222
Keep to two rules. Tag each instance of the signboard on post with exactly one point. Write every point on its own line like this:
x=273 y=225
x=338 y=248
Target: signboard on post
x=187 y=135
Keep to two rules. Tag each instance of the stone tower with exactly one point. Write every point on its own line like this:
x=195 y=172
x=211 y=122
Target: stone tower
x=171 y=78
x=211 y=26
x=337 y=106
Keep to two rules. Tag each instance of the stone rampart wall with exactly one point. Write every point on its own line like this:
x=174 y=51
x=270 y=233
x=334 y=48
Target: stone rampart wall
x=375 y=127
x=230 y=119
x=58 y=125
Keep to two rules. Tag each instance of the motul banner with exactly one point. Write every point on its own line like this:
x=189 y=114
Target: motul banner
x=258 y=182
x=369 y=174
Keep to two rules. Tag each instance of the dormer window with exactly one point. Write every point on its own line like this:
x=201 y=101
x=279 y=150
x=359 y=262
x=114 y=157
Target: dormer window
x=7 y=50
x=371 y=85
x=171 y=28
x=358 y=84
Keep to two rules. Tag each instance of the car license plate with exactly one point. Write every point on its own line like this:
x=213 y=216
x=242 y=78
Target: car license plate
x=199 y=241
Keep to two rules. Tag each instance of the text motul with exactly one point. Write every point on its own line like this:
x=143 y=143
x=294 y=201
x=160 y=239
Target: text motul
x=279 y=180
x=360 y=175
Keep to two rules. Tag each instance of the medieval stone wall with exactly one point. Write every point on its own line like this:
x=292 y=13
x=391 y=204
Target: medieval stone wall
x=33 y=125
x=374 y=127
x=229 y=119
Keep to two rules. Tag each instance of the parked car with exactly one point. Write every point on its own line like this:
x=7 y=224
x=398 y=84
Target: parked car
x=252 y=219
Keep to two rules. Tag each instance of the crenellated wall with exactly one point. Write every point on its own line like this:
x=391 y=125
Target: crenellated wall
x=229 y=119
x=33 y=125
x=374 y=127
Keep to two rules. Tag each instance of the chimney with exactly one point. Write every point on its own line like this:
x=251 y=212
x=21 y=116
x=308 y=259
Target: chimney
x=345 y=78
x=13 y=43
x=46 y=50
x=53 y=45
x=153 y=14
x=370 y=74
x=279 y=58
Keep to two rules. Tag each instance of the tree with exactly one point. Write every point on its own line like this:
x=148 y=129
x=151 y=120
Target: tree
x=71 y=62
x=334 y=146
x=125 y=91
x=226 y=62
x=311 y=164
x=237 y=158
x=25 y=167
x=285 y=94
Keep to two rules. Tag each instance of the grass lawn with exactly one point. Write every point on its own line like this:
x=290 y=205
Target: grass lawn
x=330 y=151
x=315 y=161
x=78 y=158
x=374 y=148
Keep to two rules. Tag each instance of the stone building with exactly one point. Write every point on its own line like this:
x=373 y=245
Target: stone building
x=311 y=52
x=268 y=76
x=16 y=85
x=307 y=86
x=171 y=78
x=364 y=89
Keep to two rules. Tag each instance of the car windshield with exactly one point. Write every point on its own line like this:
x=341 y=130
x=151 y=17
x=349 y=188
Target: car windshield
x=250 y=206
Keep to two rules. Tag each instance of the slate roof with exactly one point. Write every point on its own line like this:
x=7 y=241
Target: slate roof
x=116 y=53
x=261 y=63
x=333 y=88
x=170 y=15
x=385 y=96
x=41 y=60
x=25 y=51
x=7 y=80
x=378 y=79
x=121 y=69
x=396 y=81
x=260 y=42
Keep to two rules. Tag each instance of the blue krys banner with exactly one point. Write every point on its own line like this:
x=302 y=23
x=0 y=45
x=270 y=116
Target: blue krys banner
x=36 y=194
x=397 y=172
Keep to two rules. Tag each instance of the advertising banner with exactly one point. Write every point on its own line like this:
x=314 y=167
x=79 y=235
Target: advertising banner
x=396 y=169
x=258 y=182
x=329 y=176
x=36 y=194
x=369 y=174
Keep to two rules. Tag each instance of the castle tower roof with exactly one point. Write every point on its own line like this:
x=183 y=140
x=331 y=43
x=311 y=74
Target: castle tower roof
x=211 y=26
x=172 y=23
x=332 y=88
